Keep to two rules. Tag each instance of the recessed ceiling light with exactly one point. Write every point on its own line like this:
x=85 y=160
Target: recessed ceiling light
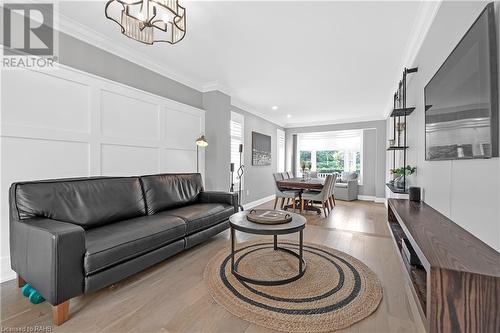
x=289 y=116
x=275 y=107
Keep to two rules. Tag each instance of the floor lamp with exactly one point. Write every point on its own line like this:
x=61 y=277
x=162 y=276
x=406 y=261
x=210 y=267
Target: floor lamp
x=200 y=142
x=231 y=177
x=240 y=172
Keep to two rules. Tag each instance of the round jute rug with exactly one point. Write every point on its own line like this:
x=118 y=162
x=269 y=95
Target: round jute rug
x=335 y=292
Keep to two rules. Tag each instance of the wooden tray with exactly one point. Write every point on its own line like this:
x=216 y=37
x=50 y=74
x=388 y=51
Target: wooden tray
x=268 y=216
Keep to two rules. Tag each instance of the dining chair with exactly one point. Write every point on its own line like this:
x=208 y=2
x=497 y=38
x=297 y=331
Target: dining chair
x=285 y=175
x=313 y=174
x=322 y=196
x=330 y=203
x=290 y=174
x=332 y=191
x=331 y=185
x=284 y=194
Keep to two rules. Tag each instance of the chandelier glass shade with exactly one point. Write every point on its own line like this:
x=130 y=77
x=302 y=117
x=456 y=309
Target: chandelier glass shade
x=149 y=21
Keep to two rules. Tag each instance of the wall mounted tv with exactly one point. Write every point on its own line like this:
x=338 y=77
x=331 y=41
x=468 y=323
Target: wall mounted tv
x=461 y=99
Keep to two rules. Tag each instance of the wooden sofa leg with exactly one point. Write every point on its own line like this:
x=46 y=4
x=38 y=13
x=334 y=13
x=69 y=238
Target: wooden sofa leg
x=20 y=281
x=60 y=313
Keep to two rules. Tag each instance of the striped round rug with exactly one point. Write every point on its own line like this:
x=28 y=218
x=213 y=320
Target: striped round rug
x=335 y=292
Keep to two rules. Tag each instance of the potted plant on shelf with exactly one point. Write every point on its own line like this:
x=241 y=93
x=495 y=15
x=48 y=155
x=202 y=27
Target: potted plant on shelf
x=399 y=173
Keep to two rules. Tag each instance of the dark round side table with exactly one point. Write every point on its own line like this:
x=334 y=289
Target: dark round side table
x=238 y=221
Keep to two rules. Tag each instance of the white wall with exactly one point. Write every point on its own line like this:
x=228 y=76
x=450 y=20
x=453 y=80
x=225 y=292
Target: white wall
x=258 y=179
x=466 y=191
x=67 y=123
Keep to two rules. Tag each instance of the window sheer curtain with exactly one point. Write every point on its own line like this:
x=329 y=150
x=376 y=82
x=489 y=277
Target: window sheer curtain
x=347 y=146
x=280 y=148
x=237 y=130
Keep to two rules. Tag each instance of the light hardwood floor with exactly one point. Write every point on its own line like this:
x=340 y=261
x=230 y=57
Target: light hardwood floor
x=172 y=297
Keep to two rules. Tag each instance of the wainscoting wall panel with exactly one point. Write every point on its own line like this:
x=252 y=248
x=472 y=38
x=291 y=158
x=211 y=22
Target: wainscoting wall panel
x=31 y=159
x=175 y=160
x=126 y=117
x=124 y=160
x=68 y=123
x=45 y=101
x=178 y=131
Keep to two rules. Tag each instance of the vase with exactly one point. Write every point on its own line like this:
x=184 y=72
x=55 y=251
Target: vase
x=399 y=183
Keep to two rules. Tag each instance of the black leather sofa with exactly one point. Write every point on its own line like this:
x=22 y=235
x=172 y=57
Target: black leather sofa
x=73 y=236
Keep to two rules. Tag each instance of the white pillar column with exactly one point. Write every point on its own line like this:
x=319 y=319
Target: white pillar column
x=313 y=160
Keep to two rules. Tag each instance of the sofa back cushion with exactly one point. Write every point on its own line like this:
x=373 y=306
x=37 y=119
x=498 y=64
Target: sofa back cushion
x=88 y=202
x=172 y=190
x=348 y=176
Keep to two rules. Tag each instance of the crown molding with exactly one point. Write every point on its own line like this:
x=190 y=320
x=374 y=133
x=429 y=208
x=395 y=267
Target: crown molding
x=84 y=33
x=248 y=108
x=426 y=14
x=333 y=121
x=216 y=85
x=423 y=21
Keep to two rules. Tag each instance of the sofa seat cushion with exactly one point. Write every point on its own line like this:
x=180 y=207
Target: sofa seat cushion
x=203 y=215
x=115 y=243
x=341 y=185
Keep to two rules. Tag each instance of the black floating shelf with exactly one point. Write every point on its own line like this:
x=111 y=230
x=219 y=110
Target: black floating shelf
x=402 y=112
x=397 y=148
x=395 y=189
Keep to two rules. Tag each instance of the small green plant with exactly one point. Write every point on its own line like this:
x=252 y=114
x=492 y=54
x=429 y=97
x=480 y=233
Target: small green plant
x=408 y=170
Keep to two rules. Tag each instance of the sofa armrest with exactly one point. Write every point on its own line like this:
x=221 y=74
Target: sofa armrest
x=353 y=189
x=48 y=254
x=353 y=183
x=230 y=198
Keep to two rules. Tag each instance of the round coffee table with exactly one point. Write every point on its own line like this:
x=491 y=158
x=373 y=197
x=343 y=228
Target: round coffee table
x=238 y=221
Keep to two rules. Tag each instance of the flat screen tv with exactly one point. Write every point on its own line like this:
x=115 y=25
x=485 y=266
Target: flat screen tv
x=461 y=99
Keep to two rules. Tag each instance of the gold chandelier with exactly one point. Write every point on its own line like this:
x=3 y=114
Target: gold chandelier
x=149 y=21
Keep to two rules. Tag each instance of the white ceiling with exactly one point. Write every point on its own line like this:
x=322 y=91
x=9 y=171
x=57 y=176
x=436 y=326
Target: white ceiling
x=320 y=62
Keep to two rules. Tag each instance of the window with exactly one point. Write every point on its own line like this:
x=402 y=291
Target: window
x=327 y=152
x=305 y=160
x=328 y=161
x=280 y=135
x=237 y=130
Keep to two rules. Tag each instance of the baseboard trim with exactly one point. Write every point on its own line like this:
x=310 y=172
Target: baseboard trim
x=7 y=274
x=371 y=198
x=258 y=202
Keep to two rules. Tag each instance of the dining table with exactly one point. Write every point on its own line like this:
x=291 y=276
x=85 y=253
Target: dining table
x=302 y=184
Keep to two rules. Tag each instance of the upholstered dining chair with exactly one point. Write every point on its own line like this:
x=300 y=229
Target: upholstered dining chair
x=331 y=199
x=322 y=196
x=313 y=174
x=290 y=174
x=285 y=175
x=284 y=194
x=330 y=203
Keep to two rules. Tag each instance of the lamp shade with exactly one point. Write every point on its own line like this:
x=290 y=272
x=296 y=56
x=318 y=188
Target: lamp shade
x=202 y=141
